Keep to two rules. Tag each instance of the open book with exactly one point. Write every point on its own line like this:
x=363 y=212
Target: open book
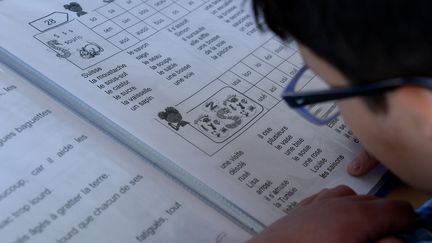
x=153 y=121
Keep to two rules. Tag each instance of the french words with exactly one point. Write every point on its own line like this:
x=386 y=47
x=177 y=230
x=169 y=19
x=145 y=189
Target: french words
x=27 y=125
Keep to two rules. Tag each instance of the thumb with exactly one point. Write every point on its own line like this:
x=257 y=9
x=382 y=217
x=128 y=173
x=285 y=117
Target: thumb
x=362 y=164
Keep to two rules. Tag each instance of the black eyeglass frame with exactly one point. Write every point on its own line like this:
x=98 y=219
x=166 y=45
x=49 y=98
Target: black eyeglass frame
x=299 y=100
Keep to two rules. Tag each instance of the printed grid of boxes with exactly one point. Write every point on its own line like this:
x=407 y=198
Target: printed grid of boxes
x=127 y=22
x=264 y=74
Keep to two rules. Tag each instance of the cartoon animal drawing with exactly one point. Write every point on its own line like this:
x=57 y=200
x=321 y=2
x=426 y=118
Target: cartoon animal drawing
x=90 y=50
x=54 y=44
x=75 y=7
x=173 y=117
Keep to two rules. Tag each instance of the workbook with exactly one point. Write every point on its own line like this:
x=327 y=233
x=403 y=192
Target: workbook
x=154 y=121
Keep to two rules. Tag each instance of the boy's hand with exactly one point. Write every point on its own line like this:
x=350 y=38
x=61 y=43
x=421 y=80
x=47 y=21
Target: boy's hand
x=339 y=215
x=362 y=164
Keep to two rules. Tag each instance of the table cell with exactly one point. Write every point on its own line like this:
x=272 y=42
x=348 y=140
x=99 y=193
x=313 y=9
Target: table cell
x=92 y=19
x=235 y=81
x=83 y=52
x=246 y=73
x=297 y=60
x=268 y=57
x=174 y=11
x=143 y=11
x=289 y=69
x=141 y=30
x=128 y=4
x=279 y=49
x=262 y=97
x=271 y=88
x=126 y=20
x=159 y=4
x=158 y=21
x=279 y=77
x=258 y=65
x=123 y=40
x=111 y=10
x=107 y=29
x=190 y=4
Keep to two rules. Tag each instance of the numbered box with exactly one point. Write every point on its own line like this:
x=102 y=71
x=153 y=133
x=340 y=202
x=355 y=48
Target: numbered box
x=159 y=4
x=50 y=21
x=92 y=19
x=247 y=73
x=126 y=20
x=111 y=10
x=174 y=11
x=158 y=21
x=107 y=29
x=143 y=11
x=141 y=30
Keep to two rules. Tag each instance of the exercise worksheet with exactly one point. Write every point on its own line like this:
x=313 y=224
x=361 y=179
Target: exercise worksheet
x=198 y=82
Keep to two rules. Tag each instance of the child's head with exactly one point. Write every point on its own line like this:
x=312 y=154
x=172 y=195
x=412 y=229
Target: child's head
x=353 y=42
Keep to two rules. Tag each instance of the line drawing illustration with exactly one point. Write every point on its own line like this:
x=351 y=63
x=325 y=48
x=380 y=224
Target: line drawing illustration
x=90 y=50
x=55 y=45
x=75 y=7
x=173 y=117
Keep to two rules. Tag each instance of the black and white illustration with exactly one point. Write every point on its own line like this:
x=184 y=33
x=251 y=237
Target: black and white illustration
x=173 y=117
x=61 y=52
x=75 y=7
x=77 y=44
x=90 y=50
x=224 y=114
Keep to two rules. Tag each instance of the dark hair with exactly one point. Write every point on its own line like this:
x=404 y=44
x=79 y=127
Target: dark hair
x=367 y=40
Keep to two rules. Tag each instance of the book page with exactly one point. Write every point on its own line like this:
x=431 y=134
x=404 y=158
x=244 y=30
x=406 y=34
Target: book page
x=63 y=180
x=199 y=83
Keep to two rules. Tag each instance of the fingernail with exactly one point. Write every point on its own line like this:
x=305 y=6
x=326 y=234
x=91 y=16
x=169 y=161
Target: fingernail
x=355 y=167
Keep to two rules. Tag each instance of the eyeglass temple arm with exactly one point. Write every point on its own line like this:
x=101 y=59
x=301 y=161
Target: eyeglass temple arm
x=300 y=99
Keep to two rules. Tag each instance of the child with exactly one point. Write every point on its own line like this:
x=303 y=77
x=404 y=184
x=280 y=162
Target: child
x=377 y=56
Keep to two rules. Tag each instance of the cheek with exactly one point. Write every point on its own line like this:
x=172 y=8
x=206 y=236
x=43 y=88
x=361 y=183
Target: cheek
x=391 y=143
x=374 y=135
x=362 y=122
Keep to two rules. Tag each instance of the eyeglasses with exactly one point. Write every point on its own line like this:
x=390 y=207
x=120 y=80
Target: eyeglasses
x=314 y=99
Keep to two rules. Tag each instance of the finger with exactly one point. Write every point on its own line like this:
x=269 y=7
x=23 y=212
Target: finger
x=390 y=240
x=312 y=198
x=362 y=164
x=339 y=191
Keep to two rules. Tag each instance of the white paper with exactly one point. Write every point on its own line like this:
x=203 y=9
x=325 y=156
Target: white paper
x=197 y=82
x=62 y=180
